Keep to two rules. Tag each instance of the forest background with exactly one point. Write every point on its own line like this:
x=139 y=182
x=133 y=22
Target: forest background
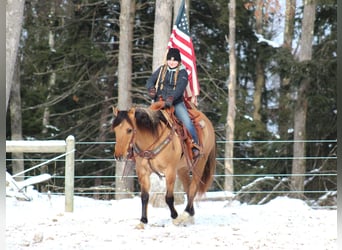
x=66 y=81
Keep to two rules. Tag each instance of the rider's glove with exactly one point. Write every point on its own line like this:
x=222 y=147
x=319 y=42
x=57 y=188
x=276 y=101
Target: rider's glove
x=168 y=102
x=152 y=92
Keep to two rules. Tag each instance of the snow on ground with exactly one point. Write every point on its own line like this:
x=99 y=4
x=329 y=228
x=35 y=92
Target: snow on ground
x=283 y=223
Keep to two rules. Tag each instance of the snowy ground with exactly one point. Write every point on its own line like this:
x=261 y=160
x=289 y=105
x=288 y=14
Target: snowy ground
x=283 y=223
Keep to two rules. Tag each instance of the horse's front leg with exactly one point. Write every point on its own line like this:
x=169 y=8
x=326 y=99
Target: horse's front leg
x=169 y=197
x=144 y=181
x=144 y=203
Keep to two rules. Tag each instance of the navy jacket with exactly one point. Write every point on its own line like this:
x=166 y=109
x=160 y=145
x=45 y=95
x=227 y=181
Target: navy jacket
x=167 y=91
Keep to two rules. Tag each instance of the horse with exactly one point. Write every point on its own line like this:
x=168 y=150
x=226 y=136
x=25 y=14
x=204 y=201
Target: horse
x=147 y=137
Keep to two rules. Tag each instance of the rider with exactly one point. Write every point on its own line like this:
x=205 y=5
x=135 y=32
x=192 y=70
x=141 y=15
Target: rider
x=173 y=79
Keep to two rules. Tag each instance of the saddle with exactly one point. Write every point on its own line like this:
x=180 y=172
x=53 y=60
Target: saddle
x=180 y=129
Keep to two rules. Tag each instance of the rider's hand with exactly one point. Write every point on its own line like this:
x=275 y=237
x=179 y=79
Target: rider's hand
x=152 y=92
x=168 y=102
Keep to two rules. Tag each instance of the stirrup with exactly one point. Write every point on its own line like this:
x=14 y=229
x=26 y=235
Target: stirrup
x=195 y=145
x=196 y=151
x=195 y=154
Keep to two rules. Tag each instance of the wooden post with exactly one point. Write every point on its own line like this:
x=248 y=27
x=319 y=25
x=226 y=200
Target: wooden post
x=69 y=173
x=35 y=146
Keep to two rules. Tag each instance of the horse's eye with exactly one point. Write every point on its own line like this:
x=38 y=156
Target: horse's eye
x=129 y=130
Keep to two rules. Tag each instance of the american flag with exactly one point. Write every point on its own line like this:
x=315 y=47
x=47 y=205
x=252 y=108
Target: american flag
x=180 y=39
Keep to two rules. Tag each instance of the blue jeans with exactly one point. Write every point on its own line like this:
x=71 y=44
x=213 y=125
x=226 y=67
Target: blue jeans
x=182 y=114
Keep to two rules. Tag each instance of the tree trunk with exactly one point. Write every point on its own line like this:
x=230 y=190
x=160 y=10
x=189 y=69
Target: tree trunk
x=162 y=31
x=52 y=79
x=46 y=113
x=260 y=77
x=103 y=129
x=16 y=123
x=14 y=20
x=305 y=54
x=259 y=86
x=162 y=27
x=298 y=164
x=230 y=126
x=289 y=23
x=125 y=54
x=125 y=83
x=285 y=108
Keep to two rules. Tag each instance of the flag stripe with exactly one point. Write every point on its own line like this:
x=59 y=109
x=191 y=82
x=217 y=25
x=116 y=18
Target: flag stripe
x=180 y=40
x=179 y=34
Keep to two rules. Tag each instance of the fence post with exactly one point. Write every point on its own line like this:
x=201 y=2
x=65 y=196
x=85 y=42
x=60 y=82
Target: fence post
x=69 y=173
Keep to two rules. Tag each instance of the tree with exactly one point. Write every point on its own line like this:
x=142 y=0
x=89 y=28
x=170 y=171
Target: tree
x=285 y=114
x=301 y=105
x=289 y=23
x=231 y=113
x=125 y=81
x=162 y=25
x=16 y=122
x=259 y=64
x=52 y=77
x=14 y=20
x=161 y=35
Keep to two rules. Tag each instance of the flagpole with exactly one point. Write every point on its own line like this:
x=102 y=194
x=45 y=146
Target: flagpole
x=161 y=69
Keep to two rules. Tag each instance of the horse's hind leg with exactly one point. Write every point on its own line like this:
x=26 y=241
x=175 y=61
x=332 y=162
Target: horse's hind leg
x=187 y=216
x=191 y=196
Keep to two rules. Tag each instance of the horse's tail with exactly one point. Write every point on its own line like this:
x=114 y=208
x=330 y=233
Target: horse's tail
x=208 y=172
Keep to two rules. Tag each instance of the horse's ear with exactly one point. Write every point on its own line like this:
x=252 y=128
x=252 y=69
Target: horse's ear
x=115 y=111
x=131 y=111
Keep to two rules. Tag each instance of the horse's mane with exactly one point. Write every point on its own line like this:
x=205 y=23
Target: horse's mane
x=148 y=120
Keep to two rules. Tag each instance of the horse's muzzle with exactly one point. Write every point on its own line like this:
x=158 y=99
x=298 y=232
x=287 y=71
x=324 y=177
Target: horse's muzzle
x=122 y=157
x=119 y=157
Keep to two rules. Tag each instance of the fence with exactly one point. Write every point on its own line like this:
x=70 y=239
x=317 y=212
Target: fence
x=66 y=147
x=99 y=185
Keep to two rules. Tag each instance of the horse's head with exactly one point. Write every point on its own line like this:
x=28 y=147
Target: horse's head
x=123 y=127
x=127 y=124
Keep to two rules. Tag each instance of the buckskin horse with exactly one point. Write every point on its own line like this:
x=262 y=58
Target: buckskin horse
x=146 y=136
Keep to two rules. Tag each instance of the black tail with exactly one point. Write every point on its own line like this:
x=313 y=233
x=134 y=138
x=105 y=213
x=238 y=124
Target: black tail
x=208 y=172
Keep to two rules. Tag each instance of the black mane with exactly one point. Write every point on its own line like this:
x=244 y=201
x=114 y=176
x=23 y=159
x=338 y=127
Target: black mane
x=149 y=120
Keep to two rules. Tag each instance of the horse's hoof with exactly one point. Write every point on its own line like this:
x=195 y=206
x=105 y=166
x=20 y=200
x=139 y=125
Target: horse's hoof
x=184 y=219
x=140 y=226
